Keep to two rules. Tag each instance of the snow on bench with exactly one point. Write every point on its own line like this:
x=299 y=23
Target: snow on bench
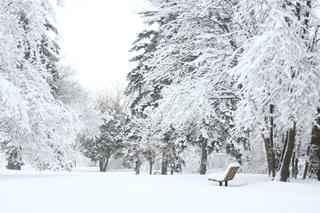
x=227 y=176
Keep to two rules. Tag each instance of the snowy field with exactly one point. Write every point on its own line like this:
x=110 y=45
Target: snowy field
x=86 y=191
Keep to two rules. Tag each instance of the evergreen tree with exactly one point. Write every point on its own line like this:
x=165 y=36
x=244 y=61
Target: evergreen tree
x=196 y=97
x=108 y=142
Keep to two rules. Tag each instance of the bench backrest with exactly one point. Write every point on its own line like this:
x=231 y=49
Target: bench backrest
x=231 y=173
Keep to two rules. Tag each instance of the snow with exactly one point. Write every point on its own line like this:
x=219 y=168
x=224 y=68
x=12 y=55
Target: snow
x=87 y=191
x=221 y=176
x=217 y=176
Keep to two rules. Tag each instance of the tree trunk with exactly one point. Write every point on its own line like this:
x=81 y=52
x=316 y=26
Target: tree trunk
x=204 y=157
x=271 y=149
x=106 y=164
x=318 y=172
x=294 y=163
x=150 y=166
x=164 y=165
x=267 y=153
x=296 y=168
x=271 y=157
x=151 y=158
x=103 y=164
x=137 y=166
x=100 y=165
x=306 y=166
x=285 y=142
x=14 y=158
x=285 y=173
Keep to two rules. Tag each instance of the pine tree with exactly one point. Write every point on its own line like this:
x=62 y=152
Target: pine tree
x=108 y=142
x=197 y=98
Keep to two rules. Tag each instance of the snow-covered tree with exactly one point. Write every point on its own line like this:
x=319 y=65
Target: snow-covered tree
x=278 y=73
x=189 y=89
x=108 y=142
x=32 y=120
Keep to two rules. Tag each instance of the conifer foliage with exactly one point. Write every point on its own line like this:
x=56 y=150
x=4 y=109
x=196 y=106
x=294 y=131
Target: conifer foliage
x=108 y=142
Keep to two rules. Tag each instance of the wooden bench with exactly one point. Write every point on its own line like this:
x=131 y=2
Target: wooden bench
x=229 y=174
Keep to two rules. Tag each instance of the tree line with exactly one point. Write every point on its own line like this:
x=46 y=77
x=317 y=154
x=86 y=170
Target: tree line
x=226 y=76
x=236 y=77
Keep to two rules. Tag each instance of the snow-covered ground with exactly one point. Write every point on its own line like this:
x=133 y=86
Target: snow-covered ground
x=87 y=191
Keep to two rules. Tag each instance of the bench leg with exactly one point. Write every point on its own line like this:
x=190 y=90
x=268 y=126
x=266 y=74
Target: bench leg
x=226 y=183
x=220 y=183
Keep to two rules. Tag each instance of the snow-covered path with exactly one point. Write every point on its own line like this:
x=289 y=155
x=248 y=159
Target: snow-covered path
x=91 y=192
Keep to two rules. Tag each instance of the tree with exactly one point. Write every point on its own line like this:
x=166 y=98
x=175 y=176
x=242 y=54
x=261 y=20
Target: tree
x=170 y=153
x=32 y=122
x=219 y=74
x=143 y=95
x=108 y=142
x=142 y=142
x=186 y=64
x=278 y=67
x=14 y=158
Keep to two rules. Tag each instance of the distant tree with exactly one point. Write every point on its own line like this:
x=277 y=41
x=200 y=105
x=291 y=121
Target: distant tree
x=170 y=149
x=14 y=157
x=68 y=89
x=106 y=145
x=108 y=142
x=141 y=143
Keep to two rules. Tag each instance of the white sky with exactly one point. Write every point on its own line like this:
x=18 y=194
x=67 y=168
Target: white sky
x=95 y=38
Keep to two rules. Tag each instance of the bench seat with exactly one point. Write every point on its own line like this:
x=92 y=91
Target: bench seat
x=227 y=176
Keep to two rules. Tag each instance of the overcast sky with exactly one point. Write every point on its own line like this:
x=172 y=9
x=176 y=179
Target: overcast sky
x=96 y=36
